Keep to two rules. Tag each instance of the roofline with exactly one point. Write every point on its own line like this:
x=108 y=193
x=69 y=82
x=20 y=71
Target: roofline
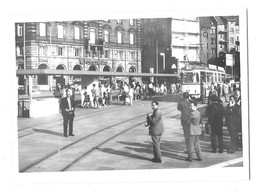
x=90 y=73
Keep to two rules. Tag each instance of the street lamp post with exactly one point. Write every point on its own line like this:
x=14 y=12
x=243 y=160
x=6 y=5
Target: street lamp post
x=163 y=55
x=156 y=59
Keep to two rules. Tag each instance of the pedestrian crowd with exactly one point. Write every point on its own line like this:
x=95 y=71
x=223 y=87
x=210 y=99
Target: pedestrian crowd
x=217 y=115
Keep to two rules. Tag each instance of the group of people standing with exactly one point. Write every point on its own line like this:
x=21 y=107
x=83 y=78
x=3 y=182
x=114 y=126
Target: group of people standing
x=129 y=93
x=96 y=97
x=190 y=118
x=216 y=114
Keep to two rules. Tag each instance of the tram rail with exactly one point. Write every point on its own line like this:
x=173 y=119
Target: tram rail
x=81 y=141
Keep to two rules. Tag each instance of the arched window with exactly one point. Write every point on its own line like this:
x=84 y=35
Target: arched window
x=92 y=68
x=61 y=67
x=43 y=79
x=132 y=38
x=77 y=67
x=132 y=69
x=106 y=35
x=106 y=68
x=119 y=69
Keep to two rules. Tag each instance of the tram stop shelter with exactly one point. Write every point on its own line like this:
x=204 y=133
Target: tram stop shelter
x=42 y=107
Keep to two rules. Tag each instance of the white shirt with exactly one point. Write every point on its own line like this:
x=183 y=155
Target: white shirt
x=68 y=99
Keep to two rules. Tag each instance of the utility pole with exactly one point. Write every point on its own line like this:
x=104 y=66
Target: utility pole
x=156 y=59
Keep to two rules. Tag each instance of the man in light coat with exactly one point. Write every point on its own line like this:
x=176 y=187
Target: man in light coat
x=195 y=131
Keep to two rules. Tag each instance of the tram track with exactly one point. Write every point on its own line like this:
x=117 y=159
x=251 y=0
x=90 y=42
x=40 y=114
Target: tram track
x=59 y=121
x=91 y=114
x=82 y=142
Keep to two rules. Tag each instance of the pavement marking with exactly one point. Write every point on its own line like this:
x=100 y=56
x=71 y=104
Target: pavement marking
x=227 y=163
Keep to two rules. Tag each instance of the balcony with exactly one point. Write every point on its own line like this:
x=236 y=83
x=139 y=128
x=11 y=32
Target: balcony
x=121 y=45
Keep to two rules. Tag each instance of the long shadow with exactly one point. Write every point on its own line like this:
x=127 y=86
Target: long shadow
x=121 y=153
x=169 y=150
x=48 y=132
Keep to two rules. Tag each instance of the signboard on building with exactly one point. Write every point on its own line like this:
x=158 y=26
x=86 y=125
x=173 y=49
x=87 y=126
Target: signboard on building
x=229 y=60
x=212 y=67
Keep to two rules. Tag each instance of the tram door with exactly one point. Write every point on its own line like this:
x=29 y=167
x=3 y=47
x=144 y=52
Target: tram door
x=202 y=77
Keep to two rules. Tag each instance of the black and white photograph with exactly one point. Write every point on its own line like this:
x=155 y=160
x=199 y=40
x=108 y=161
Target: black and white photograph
x=137 y=96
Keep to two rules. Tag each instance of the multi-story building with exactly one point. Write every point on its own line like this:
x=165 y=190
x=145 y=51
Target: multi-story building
x=208 y=27
x=220 y=36
x=169 y=43
x=186 y=39
x=97 y=45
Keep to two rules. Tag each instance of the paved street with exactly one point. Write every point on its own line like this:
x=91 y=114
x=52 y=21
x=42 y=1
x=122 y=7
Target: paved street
x=111 y=138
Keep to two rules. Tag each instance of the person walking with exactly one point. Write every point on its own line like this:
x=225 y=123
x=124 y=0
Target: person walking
x=212 y=92
x=82 y=96
x=225 y=91
x=203 y=92
x=156 y=130
x=131 y=95
x=215 y=112
x=233 y=117
x=184 y=107
x=108 y=94
x=238 y=97
x=150 y=89
x=95 y=92
x=195 y=131
x=125 y=92
x=67 y=106
x=86 y=98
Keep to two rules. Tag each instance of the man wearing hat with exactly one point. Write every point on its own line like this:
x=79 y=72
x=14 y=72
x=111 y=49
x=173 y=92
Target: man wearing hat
x=67 y=106
x=215 y=112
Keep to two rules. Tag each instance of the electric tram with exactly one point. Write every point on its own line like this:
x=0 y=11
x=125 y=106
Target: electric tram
x=193 y=76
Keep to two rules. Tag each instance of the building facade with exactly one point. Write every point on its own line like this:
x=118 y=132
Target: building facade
x=97 y=45
x=169 y=43
x=220 y=38
x=209 y=46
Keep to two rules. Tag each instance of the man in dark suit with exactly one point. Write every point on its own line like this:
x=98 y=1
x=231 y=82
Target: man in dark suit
x=184 y=108
x=155 y=130
x=215 y=112
x=67 y=106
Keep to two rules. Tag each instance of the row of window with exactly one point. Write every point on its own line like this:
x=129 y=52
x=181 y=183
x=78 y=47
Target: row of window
x=154 y=28
x=78 y=52
x=120 y=21
x=77 y=35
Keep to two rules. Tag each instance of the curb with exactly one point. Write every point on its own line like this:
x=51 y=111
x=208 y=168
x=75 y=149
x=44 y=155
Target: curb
x=227 y=163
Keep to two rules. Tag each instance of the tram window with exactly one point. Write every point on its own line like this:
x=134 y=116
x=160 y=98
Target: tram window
x=223 y=77
x=197 y=80
x=188 y=78
x=203 y=77
x=210 y=78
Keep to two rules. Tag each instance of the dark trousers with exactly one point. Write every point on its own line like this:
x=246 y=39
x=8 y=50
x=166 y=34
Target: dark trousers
x=108 y=99
x=156 y=146
x=95 y=101
x=186 y=131
x=216 y=136
x=195 y=142
x=233 y=139
x=67 y=119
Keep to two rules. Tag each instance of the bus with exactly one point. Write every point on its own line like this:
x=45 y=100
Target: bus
x=193 y=75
